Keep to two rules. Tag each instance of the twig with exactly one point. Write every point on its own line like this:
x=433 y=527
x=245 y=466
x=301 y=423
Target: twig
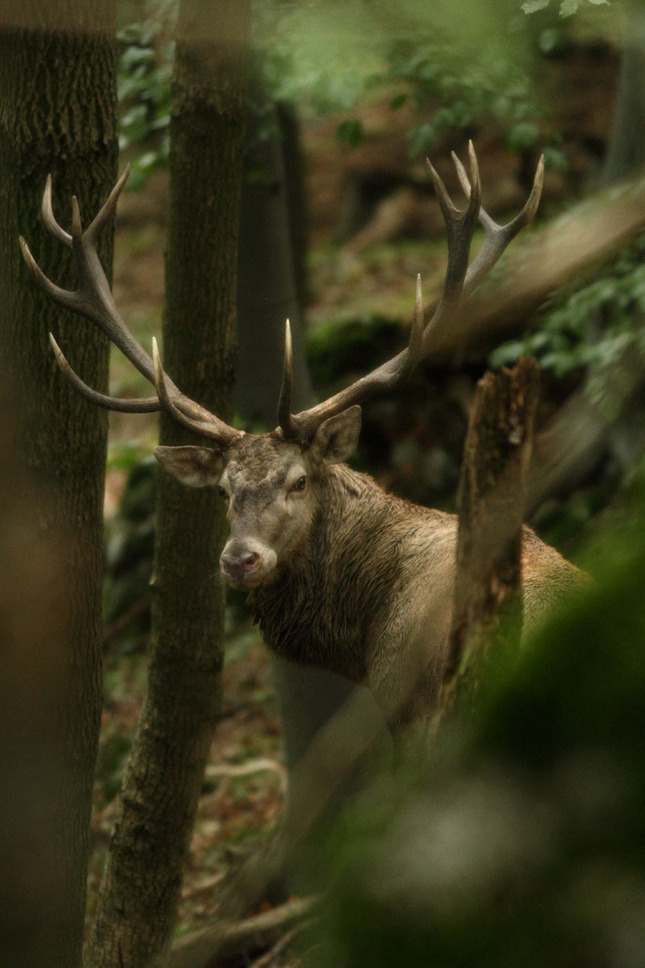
x=284 y=942
x=213 y=772
x=213 y=946
x=203 y=886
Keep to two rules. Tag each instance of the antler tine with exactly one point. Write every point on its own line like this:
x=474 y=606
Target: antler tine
x=202 y=421
x=108 y=208
x=49 y=218
x=62 y=296
x=142 y=405
x=460 y=226
x=285 y=420
x=498 y=237
x=415 y=342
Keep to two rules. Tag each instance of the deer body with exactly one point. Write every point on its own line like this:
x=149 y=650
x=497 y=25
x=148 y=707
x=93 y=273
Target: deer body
x=340 y=574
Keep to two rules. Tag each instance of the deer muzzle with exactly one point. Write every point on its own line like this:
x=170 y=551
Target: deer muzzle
x=248 y=564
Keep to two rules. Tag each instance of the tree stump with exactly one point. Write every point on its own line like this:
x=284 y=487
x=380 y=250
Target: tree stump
x=490 y=503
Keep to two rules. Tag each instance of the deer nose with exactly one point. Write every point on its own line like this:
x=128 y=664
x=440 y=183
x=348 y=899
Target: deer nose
x=239 y=566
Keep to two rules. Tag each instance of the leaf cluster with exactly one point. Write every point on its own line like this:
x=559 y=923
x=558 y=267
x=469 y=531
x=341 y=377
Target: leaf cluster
x=330 y=56
x=592 y=327
x=144 y=76
x=567 y=7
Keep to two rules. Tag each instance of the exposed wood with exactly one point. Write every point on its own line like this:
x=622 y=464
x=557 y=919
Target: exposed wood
x=491 y=502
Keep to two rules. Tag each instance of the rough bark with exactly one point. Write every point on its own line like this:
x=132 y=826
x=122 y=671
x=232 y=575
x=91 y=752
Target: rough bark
x=491 y=502
x=141 y=886
x=58 y=115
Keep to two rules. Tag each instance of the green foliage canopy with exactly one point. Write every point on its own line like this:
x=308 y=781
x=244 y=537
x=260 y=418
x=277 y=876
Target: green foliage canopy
x=330 y=55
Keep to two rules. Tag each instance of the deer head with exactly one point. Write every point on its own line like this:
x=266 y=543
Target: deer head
x=271 y=479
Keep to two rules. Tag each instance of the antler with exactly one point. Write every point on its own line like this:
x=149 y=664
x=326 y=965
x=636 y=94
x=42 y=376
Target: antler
x=460 y=281
x=93 y=299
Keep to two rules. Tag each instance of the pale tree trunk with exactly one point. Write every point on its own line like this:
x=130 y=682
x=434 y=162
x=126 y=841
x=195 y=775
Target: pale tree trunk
x=58 y=115
x=141 y=885
x=626 y=150
x=269 y=269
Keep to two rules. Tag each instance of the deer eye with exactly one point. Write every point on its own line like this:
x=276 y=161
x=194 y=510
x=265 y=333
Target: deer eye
x=222 y=491
x=300 y=484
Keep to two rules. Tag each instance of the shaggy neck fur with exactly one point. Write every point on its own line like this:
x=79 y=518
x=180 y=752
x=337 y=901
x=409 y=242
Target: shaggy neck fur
x=333 y=589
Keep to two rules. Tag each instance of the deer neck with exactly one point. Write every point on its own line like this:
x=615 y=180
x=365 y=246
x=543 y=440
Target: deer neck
x=319 y=609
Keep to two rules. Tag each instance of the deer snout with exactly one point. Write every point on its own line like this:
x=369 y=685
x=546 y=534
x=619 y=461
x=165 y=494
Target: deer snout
x=246 y=566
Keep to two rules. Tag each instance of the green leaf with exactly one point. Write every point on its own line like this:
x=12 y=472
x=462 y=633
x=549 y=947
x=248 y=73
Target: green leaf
x=532 y=6
x=398 y=101
x=350 y=132
x=569 y=7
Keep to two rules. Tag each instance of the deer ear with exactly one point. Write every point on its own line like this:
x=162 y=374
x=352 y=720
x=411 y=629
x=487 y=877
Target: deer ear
x=336 y=439
x=194 y=466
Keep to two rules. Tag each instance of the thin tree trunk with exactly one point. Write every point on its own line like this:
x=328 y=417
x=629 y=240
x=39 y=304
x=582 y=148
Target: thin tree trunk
x=491 y=501
x=58 y=115
x=141 y=885
x=626 y=149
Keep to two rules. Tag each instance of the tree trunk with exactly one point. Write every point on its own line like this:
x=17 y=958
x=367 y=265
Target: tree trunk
x=58 y=115
x=491 y=502
x=270 y=287
x=626 y=150
x=141 y=886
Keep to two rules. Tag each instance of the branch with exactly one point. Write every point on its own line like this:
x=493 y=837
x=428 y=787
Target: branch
x=216 y=945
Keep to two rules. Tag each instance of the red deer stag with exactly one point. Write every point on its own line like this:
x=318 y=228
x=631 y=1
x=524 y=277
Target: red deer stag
x=340 y=575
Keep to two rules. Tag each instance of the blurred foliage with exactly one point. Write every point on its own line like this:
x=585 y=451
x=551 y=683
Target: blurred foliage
x=590 y=327
x=328 y=56
x=566 y=7
x=521 y=839
x=128 y=564
x=146 y=52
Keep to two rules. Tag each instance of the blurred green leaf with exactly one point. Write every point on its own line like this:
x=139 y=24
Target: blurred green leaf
x=350 y=132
